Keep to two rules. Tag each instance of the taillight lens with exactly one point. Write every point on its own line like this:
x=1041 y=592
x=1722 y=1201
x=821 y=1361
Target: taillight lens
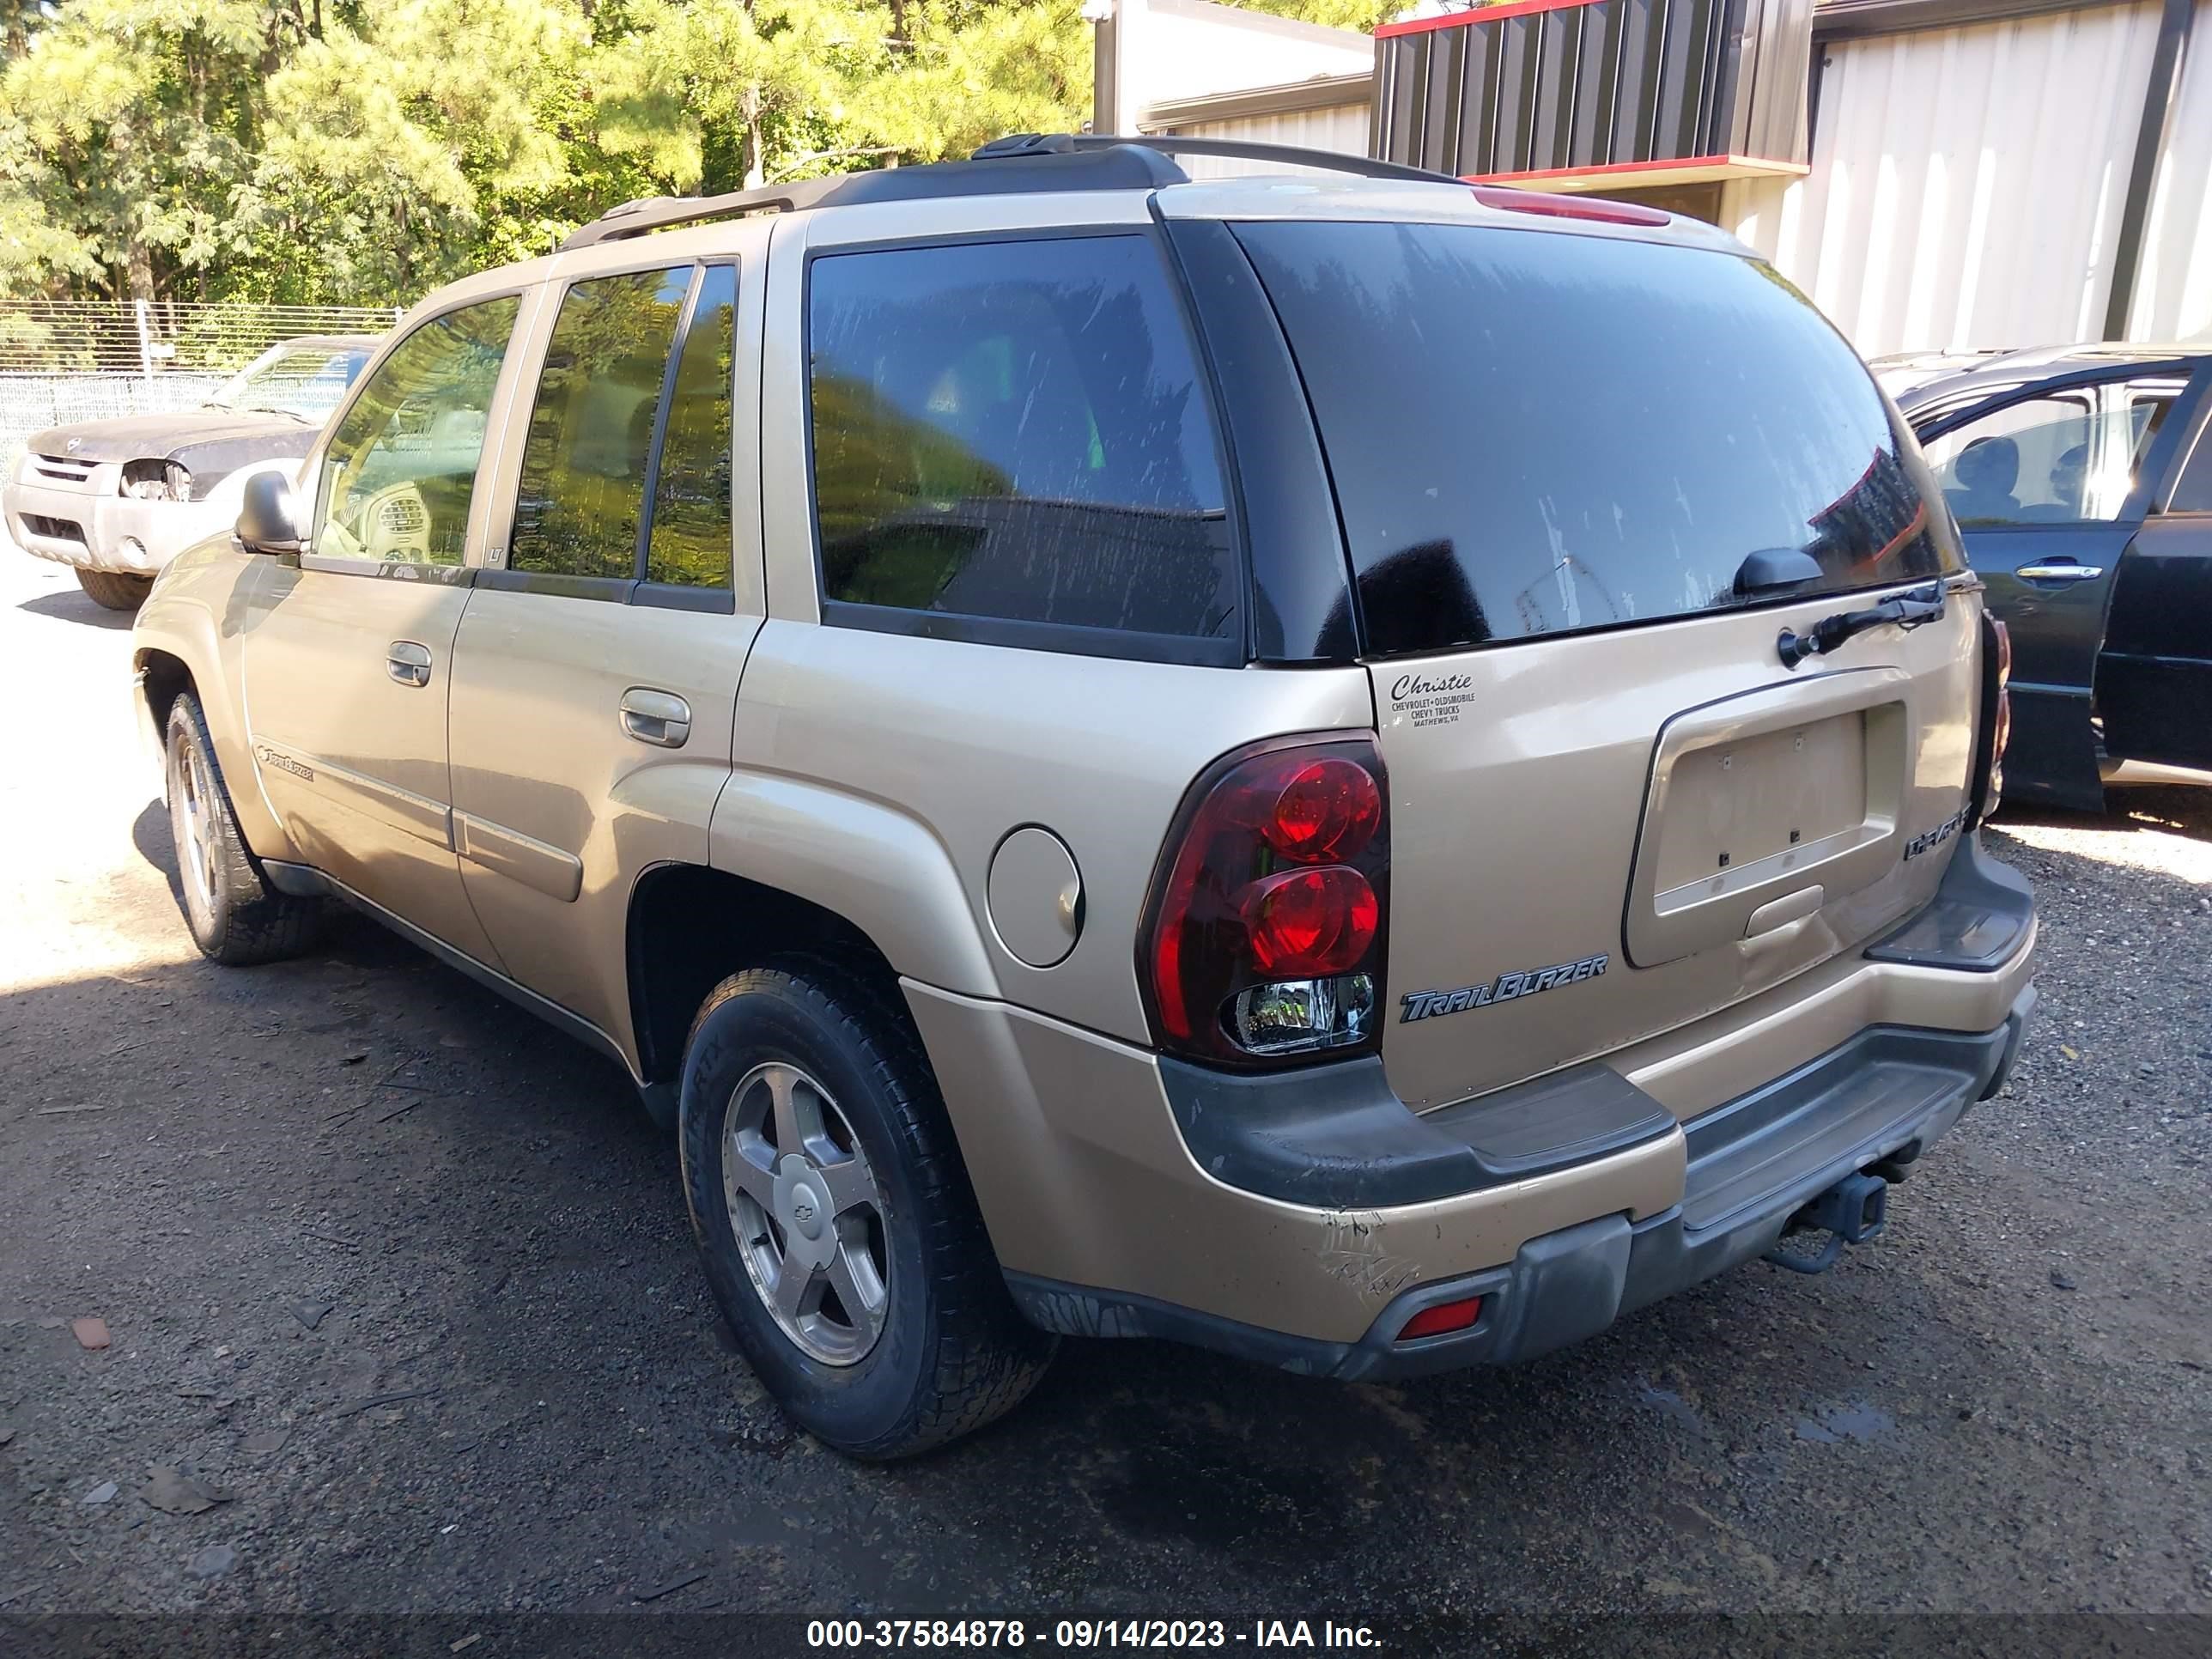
x=1997 y=721
x=1263 y=941
x=1328 y=809
x=1310 y=921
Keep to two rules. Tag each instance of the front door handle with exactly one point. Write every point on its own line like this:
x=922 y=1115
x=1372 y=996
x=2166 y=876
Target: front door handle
x=660 y=718
x=408 y=662
x=2059 y=573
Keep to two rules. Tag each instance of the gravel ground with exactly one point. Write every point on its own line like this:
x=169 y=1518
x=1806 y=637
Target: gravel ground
x=404 y=1279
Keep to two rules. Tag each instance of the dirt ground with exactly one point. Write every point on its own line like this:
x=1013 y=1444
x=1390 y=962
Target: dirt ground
x=403 y=1280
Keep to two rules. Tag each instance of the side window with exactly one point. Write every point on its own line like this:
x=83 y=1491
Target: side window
x=2192 y=491
x=401 y=468
x=2144 y=405
x=1017 y=431
x=577 y=508
x=690 y=537
x=2036 y=462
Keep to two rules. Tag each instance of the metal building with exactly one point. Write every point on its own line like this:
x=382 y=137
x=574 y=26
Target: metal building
x=1938 y=174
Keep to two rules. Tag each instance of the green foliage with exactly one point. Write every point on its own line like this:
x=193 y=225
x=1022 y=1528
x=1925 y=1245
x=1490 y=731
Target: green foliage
x=340 y=150
x=1362 y=15
x=965 y=73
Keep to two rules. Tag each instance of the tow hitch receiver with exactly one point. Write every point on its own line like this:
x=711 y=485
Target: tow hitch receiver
x=1851 y=1212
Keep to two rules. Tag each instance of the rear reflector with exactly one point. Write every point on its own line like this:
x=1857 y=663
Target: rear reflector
x=1567 y=207
x=1444 y=1317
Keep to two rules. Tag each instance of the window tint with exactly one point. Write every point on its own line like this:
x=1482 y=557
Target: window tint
x=1016 y=430
x=2048 y=461
x=401 y=467
x=2192 y=492
x=2147 y=404
x=582 y=488
x=1531 y=434
x=690 y=543
x=298 y=379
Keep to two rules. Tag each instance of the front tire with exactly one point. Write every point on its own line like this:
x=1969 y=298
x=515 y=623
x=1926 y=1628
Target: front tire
x=235 y=917
x=113 y=591
x=836 y=1221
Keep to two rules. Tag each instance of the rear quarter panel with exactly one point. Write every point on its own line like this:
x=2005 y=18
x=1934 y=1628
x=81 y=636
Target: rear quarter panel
x=937 y=749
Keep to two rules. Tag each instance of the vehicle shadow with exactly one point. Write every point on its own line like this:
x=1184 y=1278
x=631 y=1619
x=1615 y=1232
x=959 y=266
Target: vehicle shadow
x=348 y=937
x=74 y=604
x=149 y=834
x=2174 y=808
x=488 y=1235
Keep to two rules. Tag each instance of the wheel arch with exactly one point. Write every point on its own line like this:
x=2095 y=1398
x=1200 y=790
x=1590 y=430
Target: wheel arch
x=183 y=639
x=162 y=677
x=692 y=926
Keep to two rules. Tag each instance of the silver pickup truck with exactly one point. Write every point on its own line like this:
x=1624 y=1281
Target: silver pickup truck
x=118 y=499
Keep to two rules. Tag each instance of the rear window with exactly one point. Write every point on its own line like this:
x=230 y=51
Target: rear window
x=1533 y=434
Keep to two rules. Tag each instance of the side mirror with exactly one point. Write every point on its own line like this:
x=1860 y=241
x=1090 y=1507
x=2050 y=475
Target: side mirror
x=267 y=522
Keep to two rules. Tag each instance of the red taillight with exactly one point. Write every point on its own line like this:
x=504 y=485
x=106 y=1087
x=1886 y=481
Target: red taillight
x=1302 y=922
x=1263 y=938
x=1566 y=207
x=1997 y=723
x=1328 y=809
x=1444 y=1317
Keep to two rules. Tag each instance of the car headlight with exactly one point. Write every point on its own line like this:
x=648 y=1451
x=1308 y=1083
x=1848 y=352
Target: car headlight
x=157 y=481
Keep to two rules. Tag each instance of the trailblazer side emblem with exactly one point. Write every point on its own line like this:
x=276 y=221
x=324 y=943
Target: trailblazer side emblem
x=284 y=763
x=1506 y=988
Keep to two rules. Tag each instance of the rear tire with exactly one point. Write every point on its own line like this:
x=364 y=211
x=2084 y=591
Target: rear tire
x=116 y=592
x=235 y=916
x=932 y=1347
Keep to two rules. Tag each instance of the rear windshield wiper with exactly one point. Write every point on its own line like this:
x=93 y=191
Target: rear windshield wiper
x=1908 y=611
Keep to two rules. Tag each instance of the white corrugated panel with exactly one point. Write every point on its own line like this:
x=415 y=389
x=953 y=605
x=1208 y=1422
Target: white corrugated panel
x=1171 y=49
x=1342 y=129
x=2173 y=284
x=1966 y=183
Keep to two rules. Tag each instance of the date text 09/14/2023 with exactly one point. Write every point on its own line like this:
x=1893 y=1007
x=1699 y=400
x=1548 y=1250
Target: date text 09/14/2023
x=1294 y=1634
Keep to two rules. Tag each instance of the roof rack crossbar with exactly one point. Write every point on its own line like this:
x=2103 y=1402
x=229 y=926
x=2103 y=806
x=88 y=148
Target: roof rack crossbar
x=1020 y=161
x=662 y=212
x=1246 y=150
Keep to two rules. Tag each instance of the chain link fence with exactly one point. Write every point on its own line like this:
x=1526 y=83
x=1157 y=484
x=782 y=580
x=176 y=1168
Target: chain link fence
x=64 y=361
x=148 y=337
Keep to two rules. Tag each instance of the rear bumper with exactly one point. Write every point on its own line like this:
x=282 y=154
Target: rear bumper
x=1881 y=1099
x=1303 y=1220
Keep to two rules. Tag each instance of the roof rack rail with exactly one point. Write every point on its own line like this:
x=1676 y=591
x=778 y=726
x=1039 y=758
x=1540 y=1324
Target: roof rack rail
x=1107 y=167
x=1021 y=163
x=1245 y=150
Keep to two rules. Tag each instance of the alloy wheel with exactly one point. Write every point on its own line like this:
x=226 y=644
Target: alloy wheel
x=807 y=1212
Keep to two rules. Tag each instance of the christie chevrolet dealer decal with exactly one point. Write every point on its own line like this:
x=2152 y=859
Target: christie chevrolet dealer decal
x=1431 y=699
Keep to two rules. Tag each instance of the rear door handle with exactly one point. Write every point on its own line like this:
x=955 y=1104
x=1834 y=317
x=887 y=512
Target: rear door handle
x=660 y=718
x=408 y=662
x=2059 y=573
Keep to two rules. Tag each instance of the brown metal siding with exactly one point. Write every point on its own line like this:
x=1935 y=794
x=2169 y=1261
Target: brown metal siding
x=1540 y=88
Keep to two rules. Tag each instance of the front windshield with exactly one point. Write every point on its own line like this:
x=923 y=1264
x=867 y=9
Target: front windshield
x=302 y=379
